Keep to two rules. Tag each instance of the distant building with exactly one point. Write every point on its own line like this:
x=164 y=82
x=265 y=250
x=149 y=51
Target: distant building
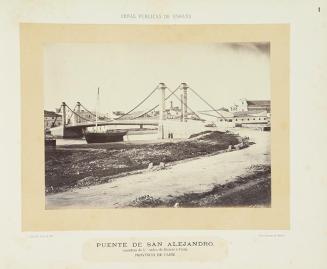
x=237 y=118
x=173 y=112
x=250 y=105
x=243 y=118
x=52 y=119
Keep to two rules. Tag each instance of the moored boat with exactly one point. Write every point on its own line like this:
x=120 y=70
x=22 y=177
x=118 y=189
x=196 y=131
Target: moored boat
x=96 y=136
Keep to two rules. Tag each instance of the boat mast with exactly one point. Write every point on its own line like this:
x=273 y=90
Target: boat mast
x=96 y=108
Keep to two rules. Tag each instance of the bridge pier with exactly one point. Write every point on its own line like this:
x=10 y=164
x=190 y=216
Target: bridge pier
x=64 y=132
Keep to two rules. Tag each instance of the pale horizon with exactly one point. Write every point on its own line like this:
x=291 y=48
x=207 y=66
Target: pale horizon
x=221 y=73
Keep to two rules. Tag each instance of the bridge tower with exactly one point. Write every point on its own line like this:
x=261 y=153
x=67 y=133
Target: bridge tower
x=184 y=88
x=162 y=95
x=64 y=114
x=66 y=130
x=78 y=105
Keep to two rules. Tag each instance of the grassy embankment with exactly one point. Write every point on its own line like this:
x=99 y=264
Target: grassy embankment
x=84 y=165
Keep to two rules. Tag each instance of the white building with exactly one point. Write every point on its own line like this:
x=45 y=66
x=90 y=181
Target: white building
x=242 y=105
x=52 y=119
x=247 y=115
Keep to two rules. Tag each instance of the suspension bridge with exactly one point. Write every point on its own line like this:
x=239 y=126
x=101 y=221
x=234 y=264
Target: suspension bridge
x=75 y=121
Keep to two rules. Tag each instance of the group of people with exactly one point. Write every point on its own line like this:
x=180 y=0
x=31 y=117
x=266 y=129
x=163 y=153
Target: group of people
x=170 y=135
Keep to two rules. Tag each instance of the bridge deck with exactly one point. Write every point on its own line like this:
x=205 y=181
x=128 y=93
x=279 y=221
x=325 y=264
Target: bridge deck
x=121 y=122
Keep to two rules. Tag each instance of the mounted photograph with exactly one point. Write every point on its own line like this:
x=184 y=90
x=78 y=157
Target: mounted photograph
x=157 y=125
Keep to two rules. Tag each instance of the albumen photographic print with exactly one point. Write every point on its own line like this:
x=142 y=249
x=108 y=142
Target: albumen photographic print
x=157 y=125
x=142 y=134
x=136 y=120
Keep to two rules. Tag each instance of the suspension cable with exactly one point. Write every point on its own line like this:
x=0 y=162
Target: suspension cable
x=54 y=122
x=71 y=114
x=207 y=103
x=88 y=111
x=127 y=113
x=203 y=113
x=88 y=120
x=139 y=104
x=148 y=111
x=186 y=105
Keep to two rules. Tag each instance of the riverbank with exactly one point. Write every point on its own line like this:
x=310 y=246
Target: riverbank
x=195 y=176
x=75 y=166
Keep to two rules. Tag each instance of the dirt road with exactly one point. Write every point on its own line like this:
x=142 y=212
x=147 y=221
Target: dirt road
x=197 y=175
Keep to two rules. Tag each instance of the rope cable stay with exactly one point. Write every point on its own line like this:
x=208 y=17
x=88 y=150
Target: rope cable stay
x=207 y=103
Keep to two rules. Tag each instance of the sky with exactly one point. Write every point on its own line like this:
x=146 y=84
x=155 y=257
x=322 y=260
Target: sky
x=221 y=73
